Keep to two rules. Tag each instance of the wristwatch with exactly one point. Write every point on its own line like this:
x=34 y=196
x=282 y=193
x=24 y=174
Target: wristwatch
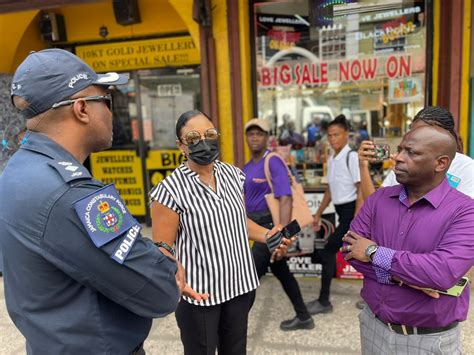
x=370 y=251
x=165 y=246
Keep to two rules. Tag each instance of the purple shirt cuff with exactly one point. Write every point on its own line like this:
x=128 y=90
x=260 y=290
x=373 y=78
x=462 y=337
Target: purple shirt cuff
x=382 y=264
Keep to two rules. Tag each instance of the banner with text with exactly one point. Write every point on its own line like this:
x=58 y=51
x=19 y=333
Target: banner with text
x=161 y=163
x=321 y=73
x=150 y=53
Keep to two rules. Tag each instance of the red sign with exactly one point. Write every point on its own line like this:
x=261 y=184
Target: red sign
x=314 y=74
x=344 y=270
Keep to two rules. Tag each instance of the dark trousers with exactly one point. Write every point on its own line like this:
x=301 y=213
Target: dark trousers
x=223 y=326
x=261 y=256
x=346 y=213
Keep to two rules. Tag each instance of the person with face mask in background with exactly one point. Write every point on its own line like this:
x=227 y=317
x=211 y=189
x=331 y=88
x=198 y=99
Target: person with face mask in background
x=200 y=210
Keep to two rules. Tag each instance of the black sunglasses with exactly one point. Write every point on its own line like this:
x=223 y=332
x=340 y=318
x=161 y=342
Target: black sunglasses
x=194 y=137
x=105 y=98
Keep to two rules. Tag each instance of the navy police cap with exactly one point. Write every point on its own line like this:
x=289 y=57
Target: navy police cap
x=53 y=75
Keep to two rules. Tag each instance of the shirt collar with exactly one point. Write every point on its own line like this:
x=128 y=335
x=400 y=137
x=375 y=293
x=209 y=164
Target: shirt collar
x=184 y=168
x=341 y=153
x=42 y=144
x=434 y=197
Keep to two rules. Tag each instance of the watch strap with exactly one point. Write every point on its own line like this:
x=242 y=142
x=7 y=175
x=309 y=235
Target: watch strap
x=166 y=246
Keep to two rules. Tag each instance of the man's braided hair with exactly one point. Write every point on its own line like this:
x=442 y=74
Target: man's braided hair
x=440 y=117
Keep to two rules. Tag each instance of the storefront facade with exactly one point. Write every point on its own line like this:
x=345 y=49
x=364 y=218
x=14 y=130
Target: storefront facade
x=377 y=62
x=160 y=49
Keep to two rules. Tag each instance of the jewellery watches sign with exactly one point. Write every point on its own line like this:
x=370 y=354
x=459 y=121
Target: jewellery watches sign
x=122 y=168
x=151 y=53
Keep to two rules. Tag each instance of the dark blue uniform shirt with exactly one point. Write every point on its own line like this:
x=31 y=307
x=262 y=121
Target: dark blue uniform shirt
x=64 y=294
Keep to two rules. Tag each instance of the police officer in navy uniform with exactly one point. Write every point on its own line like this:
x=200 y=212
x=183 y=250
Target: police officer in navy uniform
x=79 y=277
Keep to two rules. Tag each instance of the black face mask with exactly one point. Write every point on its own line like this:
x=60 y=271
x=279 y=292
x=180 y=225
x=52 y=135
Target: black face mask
x=205 y=152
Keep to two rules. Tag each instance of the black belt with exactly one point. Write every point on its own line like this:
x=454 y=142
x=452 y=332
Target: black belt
x=261 y=218
x=407 y=330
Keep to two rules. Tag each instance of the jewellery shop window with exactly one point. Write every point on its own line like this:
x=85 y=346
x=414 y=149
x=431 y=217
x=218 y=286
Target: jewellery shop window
x=316 y=60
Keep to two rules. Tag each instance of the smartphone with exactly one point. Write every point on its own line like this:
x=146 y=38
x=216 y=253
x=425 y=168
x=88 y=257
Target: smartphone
x=456 y=290
x=288 y=231
x=291 y=229
x=381 y=152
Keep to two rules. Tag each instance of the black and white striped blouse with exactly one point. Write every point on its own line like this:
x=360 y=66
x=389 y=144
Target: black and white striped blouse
x=212 y=241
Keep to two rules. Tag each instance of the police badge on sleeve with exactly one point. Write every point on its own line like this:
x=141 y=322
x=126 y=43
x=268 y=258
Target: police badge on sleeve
x=104 y=215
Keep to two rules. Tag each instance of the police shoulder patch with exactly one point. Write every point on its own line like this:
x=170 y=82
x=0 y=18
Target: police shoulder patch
x=70 y=171
x=123 y=249
x=104 y=215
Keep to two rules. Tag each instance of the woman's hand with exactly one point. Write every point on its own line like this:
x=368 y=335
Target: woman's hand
x=189 y=292
x=184 y=288
x=180 y=277
x=282 y=250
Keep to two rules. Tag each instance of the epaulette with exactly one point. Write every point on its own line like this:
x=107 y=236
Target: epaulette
x=70 y=171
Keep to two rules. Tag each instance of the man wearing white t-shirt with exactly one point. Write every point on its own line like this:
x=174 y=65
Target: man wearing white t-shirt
x=343 y=180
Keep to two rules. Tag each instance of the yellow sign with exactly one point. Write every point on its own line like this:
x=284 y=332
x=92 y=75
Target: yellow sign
x=122 y=168
x=161 y=163
x=151 y=53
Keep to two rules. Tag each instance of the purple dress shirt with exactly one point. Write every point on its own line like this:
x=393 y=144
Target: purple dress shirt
x=256 y=185
x=429 y=243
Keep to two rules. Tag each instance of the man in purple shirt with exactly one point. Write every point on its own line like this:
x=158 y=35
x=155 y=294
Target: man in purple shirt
x=416 y=235
x=255 y=189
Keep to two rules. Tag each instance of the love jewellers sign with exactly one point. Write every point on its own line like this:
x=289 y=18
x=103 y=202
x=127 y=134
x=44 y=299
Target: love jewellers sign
x=320 y=73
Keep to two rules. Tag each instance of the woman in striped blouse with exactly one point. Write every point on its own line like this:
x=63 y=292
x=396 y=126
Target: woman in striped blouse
x=200 y=209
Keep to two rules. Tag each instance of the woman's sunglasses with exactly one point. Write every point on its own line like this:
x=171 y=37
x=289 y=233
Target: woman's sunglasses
x=105 y=98
x=194 y=137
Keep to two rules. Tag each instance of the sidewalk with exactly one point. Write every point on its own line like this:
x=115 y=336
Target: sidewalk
x=335 y=333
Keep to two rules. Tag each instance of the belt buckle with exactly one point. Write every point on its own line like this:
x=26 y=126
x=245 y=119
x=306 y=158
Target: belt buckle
x=390 y=327
x=404 y=329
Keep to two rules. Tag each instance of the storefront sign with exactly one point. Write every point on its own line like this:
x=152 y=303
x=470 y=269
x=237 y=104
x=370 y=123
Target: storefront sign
x=170 y=90
x=315 y=74
x=281 y=20
x=161 y=163
x=344 y=270
x=314 y=201
x=405 y=90
x=122 y=168
x=304 y=265
x=283 y=39
x=380 y=16
x=389 y=31
x=151 y=53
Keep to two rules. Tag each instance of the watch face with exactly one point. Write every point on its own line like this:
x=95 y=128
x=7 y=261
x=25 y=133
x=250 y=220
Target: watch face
x=370 y=249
